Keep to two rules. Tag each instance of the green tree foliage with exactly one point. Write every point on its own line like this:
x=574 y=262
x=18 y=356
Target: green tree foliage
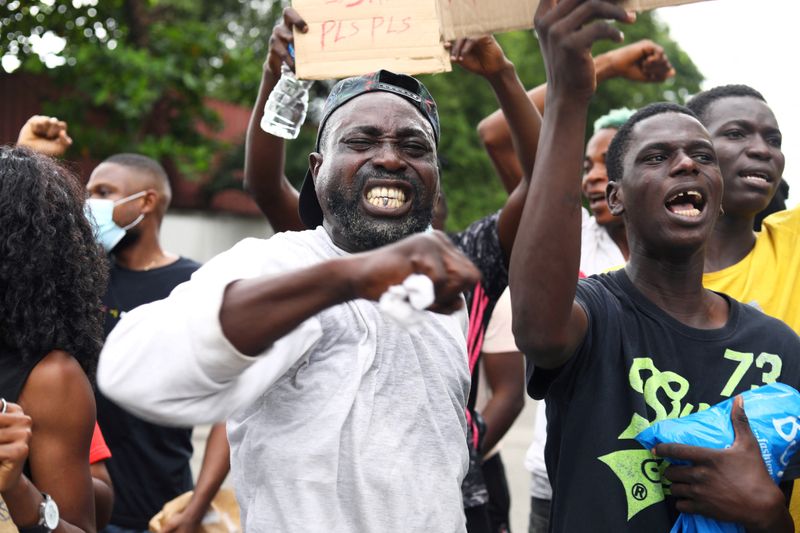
x=135 y=73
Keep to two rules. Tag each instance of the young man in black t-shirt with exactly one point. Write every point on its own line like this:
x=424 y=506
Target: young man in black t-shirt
x=129 y=195
x=615 y=353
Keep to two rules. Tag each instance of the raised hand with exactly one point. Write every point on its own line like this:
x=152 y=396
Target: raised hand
x=46 y=135
x=15 y=438
x=567 y=30
x=430 y=254
x=479 y=55
x=731 y=485
x=282 y=39
x=640 y=61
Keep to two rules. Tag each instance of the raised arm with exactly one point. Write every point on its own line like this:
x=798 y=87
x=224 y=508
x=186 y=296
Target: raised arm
x=264 y=153
x=46 y=135
x=232 y=310
x=548 y=324
x=642 y=61
x=484 y=57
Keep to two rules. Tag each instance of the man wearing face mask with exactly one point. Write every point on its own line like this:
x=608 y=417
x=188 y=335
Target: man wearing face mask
x=129 y=195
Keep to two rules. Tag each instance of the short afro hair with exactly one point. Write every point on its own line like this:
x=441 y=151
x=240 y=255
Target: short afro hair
x=619 y=144
x=700 y=103
x=144 y=164
x=148 y=166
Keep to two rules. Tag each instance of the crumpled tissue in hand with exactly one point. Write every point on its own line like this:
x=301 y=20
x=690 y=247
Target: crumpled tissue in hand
x=406 y=303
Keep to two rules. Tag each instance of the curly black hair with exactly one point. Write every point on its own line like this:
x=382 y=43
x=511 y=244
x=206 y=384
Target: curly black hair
x=619 y=144
x=52 y=271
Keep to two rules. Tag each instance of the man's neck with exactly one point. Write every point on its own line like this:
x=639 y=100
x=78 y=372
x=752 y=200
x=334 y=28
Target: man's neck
x=676 y=286
x=733 y=238
x=620 y=238
x=145 y=254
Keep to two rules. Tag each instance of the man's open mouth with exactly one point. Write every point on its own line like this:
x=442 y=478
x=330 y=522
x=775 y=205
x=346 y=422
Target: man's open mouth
x=689 y=203
x=757 y=178
x=596 y=198
x=387 y=197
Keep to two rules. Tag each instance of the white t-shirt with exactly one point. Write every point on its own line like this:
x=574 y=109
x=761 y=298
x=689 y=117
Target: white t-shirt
x=599 y=252
x=350 y=423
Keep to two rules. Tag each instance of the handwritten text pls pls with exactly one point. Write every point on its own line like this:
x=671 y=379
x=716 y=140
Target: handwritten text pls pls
x=334 y=31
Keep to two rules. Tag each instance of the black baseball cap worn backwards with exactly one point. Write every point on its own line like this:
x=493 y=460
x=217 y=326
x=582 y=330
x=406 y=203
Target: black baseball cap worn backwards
x=400 y=84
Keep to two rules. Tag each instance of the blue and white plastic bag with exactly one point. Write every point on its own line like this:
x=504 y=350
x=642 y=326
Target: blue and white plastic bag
x=772 y=411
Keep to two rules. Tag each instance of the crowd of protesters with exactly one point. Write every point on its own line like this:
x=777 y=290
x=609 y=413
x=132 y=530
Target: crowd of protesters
x=622 y=283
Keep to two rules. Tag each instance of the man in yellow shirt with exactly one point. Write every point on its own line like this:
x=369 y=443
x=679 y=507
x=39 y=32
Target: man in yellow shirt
x=761 y=269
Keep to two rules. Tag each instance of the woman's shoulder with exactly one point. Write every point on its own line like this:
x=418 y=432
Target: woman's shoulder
x=56 y=388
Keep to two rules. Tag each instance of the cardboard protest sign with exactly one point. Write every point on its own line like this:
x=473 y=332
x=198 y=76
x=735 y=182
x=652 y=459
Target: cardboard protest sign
x=352 y=37
x=468 y=18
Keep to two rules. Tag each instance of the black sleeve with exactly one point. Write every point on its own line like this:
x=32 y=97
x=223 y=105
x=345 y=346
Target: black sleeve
x=481 y=244
x=599 y=304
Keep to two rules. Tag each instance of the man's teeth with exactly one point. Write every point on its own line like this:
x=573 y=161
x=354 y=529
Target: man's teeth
x=693 y=212
x=387 y=197
x=695 y=194
x=757 y=179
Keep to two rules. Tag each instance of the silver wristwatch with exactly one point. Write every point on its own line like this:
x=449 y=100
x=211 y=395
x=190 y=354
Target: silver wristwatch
x=48 y=517
x=48 y=513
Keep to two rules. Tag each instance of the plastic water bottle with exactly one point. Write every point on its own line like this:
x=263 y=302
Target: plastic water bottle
x=286 y=107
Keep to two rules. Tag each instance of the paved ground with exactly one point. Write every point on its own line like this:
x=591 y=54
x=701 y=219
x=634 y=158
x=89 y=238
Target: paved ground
x=515 y=445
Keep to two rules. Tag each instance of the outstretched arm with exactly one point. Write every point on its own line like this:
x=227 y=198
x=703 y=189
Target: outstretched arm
x=257 y=312
x=484 y=57
x=264 y=153
x=642 y=61
x=237 y=307
x=548 y=324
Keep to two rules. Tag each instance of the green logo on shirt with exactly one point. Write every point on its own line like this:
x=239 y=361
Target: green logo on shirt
x=664 y=391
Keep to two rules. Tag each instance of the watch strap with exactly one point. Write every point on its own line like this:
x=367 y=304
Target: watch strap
x=39 y=528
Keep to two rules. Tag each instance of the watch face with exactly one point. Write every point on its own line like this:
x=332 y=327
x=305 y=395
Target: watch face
x=50 y=514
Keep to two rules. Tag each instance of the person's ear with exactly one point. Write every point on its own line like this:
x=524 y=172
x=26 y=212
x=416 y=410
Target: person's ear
x=314 y=162
x=615 y=198
x=150 y=203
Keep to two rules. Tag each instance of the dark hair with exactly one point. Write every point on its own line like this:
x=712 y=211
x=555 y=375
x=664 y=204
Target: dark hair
x=700 y=103
x=141 y=162
x=52 y=271
x=619 y=144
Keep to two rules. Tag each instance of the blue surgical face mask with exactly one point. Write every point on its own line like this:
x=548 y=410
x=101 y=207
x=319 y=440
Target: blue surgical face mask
x=100 y=213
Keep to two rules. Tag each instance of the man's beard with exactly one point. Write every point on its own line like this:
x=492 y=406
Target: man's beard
x=367 y=233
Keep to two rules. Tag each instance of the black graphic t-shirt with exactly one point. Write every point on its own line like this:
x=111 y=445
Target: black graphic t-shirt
x=638 y=365
x=150 y=463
